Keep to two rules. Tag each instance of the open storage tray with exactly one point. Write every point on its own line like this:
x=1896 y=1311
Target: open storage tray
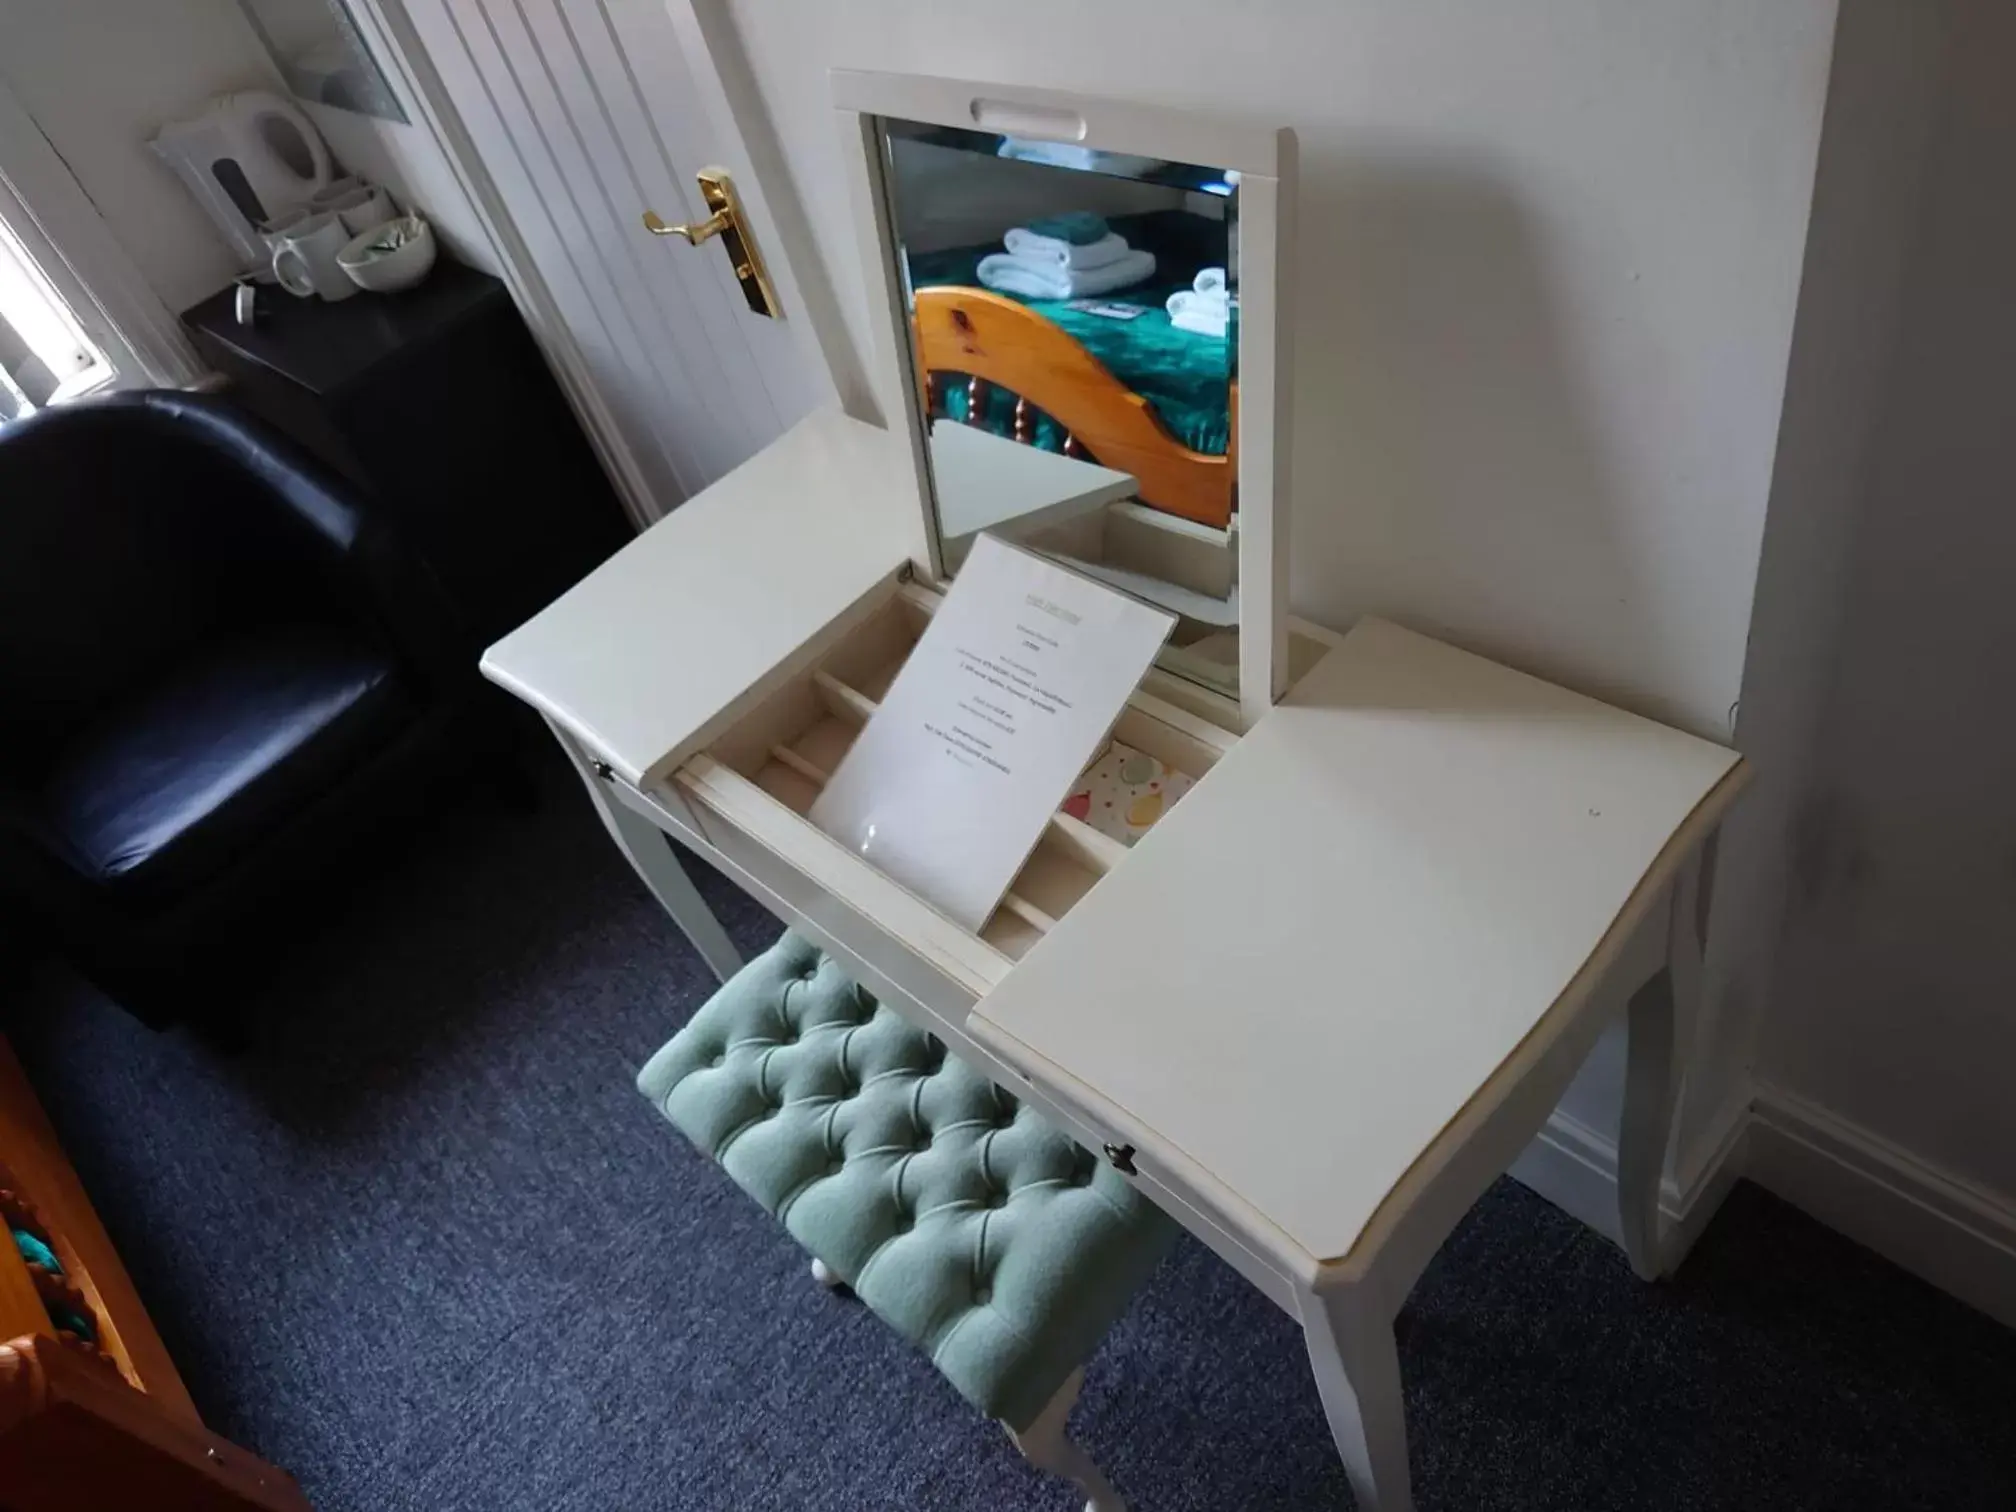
x=764 y=773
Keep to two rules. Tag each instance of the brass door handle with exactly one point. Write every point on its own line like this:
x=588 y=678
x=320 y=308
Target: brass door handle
x=696 y=233
x=727 y=223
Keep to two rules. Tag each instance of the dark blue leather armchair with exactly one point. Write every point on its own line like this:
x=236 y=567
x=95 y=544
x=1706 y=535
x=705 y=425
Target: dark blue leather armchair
x=220 y=675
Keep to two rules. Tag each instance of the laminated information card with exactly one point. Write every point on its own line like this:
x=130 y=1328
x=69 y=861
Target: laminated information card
x=1009 y=694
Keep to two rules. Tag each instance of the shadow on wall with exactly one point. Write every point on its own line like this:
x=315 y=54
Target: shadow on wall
x=1890 y=1004
x=1446 y=466
x=1882 y=95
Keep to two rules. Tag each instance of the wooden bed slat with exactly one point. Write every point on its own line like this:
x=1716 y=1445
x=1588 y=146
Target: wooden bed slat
x=990 y=337
x=31 y=1149
x=74 y=1436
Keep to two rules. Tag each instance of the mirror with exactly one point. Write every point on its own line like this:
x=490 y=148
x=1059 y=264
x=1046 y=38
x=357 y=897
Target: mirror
x=322 y=55
x=1074 y=320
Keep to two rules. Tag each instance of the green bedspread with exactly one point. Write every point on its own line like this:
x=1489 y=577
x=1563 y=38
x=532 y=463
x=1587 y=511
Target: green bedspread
x=1182 y=375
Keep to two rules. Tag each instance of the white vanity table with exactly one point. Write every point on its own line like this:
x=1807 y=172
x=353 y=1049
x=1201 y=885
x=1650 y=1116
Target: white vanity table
x=1339 y=986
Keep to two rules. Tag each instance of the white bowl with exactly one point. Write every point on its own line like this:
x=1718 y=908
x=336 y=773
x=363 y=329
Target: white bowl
x=388 y=272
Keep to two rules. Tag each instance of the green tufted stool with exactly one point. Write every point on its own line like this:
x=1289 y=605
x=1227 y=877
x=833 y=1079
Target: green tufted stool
x=959 y=1217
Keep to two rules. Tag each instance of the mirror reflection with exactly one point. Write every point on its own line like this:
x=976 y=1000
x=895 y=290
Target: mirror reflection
x=322 y=55
x=1075 y=317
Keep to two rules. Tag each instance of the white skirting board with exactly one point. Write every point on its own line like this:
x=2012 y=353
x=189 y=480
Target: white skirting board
x=1954 y=1235
x=1575 y=1168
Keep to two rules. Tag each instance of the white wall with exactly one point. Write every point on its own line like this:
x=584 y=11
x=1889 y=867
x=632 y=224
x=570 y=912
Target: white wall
x=100 y=77
x=1549 y=258
x=408 y=157
x=407 y=160
x=1893 y=1002
x=1881 y=101
x=296 y=25
x=1549 y=261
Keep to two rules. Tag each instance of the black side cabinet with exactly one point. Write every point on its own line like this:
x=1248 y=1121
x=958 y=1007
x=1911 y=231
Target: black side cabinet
x=438 y=401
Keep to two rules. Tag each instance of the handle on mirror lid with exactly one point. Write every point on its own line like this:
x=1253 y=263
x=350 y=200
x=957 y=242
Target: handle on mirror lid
x=728 y=223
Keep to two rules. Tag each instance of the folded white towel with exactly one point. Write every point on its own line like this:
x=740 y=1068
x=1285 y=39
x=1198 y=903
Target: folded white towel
x=1210 y=281
x=1203 y=322
x=1189 y=302
x=1049 y=251
x=1071 y=155
x=1013 y=275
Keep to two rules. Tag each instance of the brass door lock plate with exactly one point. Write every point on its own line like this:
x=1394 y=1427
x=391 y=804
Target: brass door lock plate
x=728 y=223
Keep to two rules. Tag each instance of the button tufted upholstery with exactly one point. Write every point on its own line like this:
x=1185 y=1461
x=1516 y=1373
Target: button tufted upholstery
x=961 y=1218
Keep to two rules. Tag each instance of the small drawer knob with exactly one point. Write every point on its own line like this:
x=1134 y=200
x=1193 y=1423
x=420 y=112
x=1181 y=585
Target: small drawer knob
x=1122 y=1157
x=603 y=770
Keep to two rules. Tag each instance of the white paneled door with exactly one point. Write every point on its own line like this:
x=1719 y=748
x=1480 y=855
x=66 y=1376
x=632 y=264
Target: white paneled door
x=584 y=114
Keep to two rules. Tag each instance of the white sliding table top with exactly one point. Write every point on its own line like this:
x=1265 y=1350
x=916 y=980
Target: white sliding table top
x=987 y=482
x=649 y=656
x=1327 y=948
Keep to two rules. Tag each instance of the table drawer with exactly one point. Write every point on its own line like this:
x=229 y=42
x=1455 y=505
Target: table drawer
x=764 y=773
x=745 y=797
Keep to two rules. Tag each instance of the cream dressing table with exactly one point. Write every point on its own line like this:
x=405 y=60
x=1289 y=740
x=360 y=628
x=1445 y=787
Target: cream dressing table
x=1338 y=987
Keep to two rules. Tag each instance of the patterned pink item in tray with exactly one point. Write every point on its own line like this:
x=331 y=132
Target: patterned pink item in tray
x=1124 y=792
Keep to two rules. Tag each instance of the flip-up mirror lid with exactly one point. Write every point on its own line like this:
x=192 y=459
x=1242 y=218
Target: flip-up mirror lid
x=1262 y=159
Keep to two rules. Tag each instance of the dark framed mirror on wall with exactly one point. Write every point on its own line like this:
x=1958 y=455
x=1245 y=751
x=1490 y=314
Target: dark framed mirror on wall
x=323 y=55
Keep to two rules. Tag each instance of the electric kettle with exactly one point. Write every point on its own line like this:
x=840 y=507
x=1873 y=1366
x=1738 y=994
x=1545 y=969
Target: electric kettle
x=249 y=158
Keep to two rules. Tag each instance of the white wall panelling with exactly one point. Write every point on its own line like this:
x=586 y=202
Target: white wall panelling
x=583 y=114
x=741 y=124
x=504 y=250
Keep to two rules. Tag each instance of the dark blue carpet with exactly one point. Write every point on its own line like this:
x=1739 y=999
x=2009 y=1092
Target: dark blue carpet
x=427 y=1248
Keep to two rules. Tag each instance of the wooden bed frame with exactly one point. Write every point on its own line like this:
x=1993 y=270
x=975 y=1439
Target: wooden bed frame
x=1000 y=342
x=86 y=1426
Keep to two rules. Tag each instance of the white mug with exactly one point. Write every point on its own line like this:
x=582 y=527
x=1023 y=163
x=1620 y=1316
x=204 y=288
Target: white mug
x=275 y=229
x=363 y=208
x=305 y=259
x=333 y=193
